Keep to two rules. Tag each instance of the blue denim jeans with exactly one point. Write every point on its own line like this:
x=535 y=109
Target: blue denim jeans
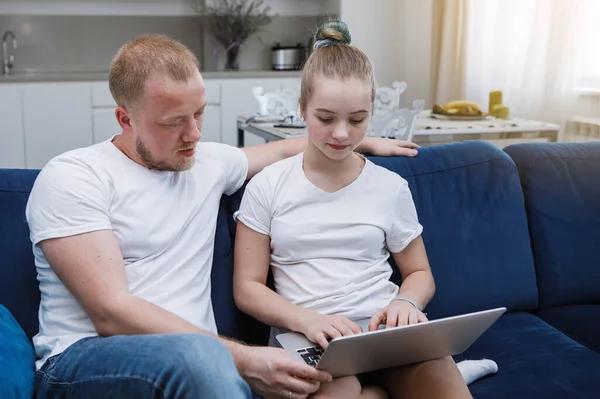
x=142 y=366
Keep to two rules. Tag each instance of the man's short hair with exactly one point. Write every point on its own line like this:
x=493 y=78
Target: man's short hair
x=146 y=56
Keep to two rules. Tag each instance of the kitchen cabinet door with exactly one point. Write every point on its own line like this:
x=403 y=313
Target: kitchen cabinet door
x=104 y=124
x=211 y=125
x=57 y=118
x=12 y=147
x=237 y=100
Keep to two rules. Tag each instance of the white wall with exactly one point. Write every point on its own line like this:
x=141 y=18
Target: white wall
x=397 y=36
x=140 y=7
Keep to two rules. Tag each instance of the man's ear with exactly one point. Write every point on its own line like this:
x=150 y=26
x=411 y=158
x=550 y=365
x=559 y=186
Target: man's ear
x=123 y=118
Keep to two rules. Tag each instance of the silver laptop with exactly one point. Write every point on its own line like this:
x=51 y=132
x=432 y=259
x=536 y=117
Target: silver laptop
x=391 y=347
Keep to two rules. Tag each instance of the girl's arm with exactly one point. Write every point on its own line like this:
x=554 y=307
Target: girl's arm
x=417 y=285
x=252 y=296
x=417 y=279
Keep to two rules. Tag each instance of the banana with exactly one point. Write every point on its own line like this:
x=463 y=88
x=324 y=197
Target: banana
x=462 y=104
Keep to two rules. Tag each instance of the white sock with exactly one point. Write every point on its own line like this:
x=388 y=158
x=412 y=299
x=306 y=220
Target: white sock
x=473 y=370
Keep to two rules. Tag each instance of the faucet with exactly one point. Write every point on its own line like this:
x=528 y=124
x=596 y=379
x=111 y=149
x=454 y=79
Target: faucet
x=8 y=60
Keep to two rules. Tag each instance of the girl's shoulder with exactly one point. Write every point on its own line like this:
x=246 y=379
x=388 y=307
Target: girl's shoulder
x=272 y=175
x=383 y=176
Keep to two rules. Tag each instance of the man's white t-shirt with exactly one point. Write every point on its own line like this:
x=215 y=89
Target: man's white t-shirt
x=329 y=251
x=165 y=224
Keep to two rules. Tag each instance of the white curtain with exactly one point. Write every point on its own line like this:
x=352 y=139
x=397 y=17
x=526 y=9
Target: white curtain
x=540 y=53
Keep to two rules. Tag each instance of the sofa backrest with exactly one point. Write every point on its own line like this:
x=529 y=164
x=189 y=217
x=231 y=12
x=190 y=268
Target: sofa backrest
x=469 y=200
x=561 y=183
x=19 y=291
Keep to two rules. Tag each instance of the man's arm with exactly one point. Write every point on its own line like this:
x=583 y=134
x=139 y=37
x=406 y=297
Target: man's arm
x=91 y=267
x=260 y=156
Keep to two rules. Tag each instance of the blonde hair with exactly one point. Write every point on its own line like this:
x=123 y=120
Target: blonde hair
x=143 y=57
x=333 y=56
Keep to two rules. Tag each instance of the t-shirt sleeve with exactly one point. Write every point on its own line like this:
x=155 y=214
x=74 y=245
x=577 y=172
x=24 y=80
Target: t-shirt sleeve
x=67 y=199
x=255 y=207
x=404 y=226
x=235 y=164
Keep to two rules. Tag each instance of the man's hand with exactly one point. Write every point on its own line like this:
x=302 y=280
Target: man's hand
x=397 y=313
x=273 y=373
x=388 y=147
x=322 y=328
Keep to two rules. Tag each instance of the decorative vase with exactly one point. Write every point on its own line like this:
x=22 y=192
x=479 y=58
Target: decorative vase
x=232 y=53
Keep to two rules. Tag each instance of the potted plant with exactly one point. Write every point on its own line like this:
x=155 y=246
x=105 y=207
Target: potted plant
x=232 y=22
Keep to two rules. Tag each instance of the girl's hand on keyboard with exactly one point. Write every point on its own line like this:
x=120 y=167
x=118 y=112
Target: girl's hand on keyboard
x=397 y=313
x=323 y=328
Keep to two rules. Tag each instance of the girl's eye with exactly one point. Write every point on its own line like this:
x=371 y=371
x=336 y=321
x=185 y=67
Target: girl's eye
x=199 y=115
x=325 y=120
x=355 y=121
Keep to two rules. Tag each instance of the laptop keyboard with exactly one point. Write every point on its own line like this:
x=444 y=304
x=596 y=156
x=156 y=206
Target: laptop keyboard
x=311 y=355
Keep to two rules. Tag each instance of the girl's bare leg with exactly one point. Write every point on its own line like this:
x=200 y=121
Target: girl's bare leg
x=373 y=392
x=438 y=379
x=348 y=388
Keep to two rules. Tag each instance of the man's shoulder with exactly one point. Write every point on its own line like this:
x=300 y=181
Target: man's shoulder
x=210 y=149
x=80 y=161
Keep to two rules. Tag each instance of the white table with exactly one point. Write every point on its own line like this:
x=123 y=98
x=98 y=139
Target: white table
x=426 y=125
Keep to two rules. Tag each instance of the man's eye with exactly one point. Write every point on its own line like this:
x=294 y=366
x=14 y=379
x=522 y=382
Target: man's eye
x=172 y=125
x=325 y=120
x=198 y=115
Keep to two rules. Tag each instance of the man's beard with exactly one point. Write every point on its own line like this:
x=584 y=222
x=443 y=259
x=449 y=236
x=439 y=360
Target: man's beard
x=156 y=164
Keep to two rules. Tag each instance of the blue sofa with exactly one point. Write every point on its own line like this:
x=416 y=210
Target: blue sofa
x=518 y=228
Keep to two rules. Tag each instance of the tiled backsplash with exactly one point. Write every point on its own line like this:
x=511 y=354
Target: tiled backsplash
x=88 y=43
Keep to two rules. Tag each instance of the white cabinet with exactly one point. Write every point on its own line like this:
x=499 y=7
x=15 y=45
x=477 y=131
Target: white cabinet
x=57 y=117
x=12 y=152
x=39 y=121
x=237 y=100
x=211 y=125
x=104 y=124
x=104 y=121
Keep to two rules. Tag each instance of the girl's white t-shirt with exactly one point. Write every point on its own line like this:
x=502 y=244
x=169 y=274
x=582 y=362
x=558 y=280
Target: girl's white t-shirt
x=164 y=222
x=329 y=251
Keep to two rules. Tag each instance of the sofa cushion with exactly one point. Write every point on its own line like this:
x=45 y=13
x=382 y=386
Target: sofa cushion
x=17 y=359
x=563 y=203
x=469 y=201
x=231 y=322
x=226 y=313
x=535 y=361
x=580 y=322
x=18 y=285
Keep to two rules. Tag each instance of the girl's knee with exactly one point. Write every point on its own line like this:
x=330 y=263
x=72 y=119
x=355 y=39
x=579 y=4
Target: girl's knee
x=342 y=387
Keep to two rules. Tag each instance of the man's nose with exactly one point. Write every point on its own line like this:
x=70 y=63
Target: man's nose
x=192 y=133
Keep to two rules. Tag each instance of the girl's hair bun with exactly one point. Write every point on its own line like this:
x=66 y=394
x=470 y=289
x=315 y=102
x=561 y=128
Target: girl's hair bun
x=331 y=33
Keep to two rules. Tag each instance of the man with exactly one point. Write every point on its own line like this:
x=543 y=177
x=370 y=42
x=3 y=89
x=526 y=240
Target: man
x=123 y=234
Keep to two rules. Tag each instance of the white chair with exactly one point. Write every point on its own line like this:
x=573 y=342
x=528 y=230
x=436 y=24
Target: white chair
x=277 y=104
x=388 y=98
x=398 y=123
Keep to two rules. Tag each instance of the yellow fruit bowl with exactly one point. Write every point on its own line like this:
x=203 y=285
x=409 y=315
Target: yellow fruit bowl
x=458 y=110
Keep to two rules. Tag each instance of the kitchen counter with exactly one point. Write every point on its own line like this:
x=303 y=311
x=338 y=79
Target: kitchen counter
x=86 y=76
